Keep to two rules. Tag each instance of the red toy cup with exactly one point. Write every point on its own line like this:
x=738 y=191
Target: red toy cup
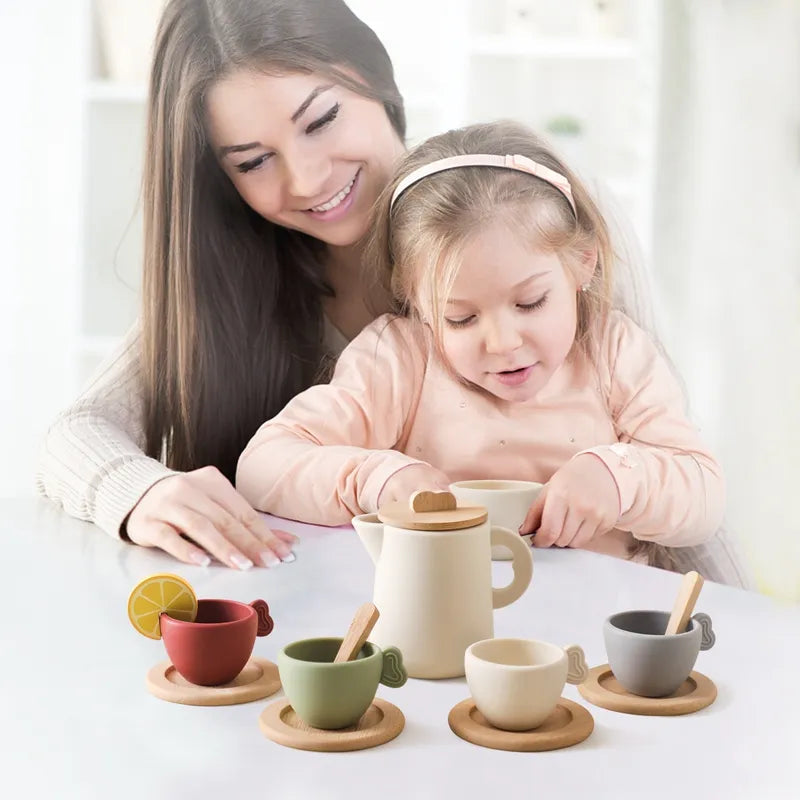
x=214 y=648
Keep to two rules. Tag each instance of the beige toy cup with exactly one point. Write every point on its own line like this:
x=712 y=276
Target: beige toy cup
x=506 y=501
x=516 y=683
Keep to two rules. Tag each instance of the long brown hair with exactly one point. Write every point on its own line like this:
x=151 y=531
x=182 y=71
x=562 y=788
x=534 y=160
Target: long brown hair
x=232 y=304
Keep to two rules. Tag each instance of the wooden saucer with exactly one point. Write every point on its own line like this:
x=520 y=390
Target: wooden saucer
x=381 y=723
x=568 y=724
x=258 y=679
x=603 y=689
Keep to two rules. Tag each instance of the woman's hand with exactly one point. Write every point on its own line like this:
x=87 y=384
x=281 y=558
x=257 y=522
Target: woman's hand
x=579 y=503
x=204 y=506
x=410 y=479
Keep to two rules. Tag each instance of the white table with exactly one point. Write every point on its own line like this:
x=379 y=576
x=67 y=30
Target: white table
x=77 y=721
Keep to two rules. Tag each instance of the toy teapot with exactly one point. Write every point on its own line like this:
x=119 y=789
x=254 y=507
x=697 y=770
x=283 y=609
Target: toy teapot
x=433 y=579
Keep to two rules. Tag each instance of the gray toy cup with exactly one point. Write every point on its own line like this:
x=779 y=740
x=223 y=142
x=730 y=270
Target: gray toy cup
x=644 y=660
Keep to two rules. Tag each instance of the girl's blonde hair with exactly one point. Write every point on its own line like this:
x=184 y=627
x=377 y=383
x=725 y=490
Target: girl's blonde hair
x=415 y=245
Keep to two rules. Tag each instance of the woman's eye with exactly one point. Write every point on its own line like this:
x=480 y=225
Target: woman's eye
x=460 y=323
x=533 y=306
x=255 y=163
x=325 y=119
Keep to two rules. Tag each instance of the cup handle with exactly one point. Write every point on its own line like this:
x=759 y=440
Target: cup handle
x=522 y=565
x=393 y=673
x=265 y=621
x=707 y=637
x=577 y=671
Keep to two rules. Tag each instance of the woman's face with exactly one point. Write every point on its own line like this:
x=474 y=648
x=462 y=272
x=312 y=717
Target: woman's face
x=302 y=151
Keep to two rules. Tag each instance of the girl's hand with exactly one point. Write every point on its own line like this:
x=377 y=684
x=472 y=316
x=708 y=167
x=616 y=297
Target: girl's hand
x=204 y=506
x=577 y=504
x=410 y=479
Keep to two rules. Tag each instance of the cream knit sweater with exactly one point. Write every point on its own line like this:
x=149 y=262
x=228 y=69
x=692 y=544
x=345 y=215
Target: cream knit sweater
x=92 y=461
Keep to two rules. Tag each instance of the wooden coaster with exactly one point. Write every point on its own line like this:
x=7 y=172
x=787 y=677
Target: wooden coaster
x=568 y=724
x=381 y=723
x=258 y=679
x=603 y=689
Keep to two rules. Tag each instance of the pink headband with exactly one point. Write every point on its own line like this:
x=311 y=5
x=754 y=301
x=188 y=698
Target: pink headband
x=521 y=163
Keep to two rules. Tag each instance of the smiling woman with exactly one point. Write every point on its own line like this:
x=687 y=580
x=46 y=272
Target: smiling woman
x=272 y=127
x=304 y=153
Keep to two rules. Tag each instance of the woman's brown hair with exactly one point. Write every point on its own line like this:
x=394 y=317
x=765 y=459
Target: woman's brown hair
x=232 y=304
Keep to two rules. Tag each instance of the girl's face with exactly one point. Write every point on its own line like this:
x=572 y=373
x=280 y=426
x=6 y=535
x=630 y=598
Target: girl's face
x=302 y=151
x=511 y=317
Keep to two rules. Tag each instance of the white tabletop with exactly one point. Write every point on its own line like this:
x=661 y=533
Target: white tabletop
x=78 y=722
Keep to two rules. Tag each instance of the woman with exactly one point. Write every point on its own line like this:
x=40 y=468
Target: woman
x=272 y=127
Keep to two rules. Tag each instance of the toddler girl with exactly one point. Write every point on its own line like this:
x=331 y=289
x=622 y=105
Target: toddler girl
x=505 y=360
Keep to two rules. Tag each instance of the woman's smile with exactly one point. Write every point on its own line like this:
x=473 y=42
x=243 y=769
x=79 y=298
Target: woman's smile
x=338 y=205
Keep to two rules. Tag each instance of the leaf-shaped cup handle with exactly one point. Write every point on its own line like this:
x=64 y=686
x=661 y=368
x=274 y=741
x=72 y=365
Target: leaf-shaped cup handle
x=707 y=637
x=393 y=673
x=265 y=621
x=577 y=671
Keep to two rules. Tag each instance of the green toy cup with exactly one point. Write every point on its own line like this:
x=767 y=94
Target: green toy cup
x=332 y=696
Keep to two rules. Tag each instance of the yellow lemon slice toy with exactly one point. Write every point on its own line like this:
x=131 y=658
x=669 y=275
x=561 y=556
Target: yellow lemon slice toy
x=157 y=594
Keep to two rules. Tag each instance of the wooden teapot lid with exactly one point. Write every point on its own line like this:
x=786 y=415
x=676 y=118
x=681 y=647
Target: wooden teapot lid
x=432 y=511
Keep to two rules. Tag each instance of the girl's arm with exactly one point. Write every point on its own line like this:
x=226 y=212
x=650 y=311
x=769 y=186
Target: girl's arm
x=671 y=488
x=328 y=454
x=91 y=461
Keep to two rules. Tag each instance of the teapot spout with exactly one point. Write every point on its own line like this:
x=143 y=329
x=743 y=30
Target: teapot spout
x=370 y=530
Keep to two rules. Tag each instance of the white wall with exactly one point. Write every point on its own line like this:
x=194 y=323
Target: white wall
x=727 y=264
x=728 y=256
x=40 y=142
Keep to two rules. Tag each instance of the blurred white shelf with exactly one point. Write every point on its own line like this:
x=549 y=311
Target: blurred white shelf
x=423 y=100
x=107 y=91
x=625 y=187
x=534 y=47
x=97 y=345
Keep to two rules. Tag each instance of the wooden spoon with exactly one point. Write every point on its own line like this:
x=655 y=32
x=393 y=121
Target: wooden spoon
x=684 y=603
x=360 y=628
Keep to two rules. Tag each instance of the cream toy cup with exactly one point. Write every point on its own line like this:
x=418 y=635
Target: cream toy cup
x=516 y=683
x=506 y=501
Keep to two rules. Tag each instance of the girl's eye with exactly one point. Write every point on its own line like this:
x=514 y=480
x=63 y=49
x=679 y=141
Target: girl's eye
x=325 y=119
x=533 y=306
x=255 y=163
x=460 y=323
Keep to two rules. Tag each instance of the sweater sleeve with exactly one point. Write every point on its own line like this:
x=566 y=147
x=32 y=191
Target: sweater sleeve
x=327 y=455
x=671 y=488
x=92 y=461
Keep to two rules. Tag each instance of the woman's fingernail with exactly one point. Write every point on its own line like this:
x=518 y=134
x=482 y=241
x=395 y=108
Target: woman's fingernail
x=287 y=559
x=201 y=559
x=242 y=562
x=268 y=558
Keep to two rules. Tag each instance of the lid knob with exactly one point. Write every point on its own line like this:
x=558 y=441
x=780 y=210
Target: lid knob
x=431 y=511
x=432 y=501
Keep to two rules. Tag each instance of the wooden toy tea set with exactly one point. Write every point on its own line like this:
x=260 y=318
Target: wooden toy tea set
x=435 y=622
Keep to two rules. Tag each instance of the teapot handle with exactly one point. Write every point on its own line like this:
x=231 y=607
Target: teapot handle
x=522 y=565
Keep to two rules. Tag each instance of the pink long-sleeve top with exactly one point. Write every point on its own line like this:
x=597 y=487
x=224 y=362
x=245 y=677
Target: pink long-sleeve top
x=391 y=403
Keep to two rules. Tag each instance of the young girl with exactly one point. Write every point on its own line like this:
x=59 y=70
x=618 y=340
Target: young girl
x=505 y=360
